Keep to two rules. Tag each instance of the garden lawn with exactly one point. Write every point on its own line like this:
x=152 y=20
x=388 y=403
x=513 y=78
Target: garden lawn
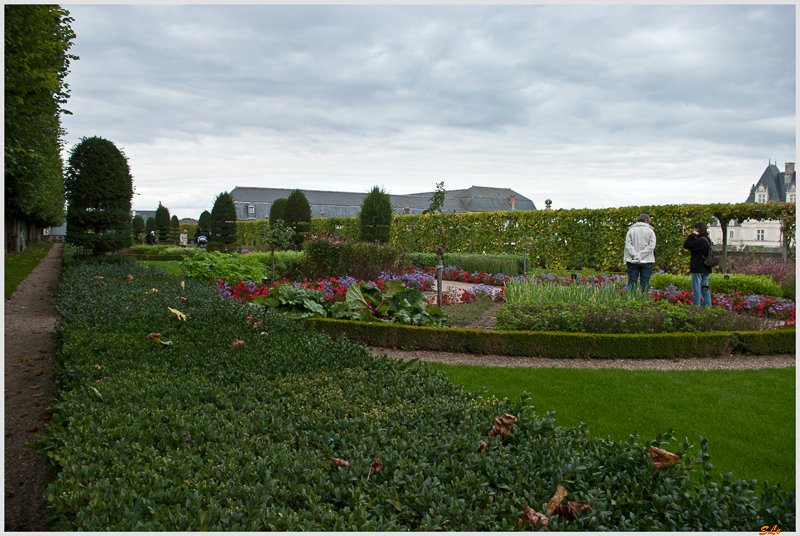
x=748 y=416
x=19 y=265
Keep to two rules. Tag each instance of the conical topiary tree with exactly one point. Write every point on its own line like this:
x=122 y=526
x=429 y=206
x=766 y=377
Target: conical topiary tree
x=162 y=222
x=174 y=228
x=277 y=211
x=297 y=211
x=223 y=219
x=137 y=227
x=149 y=225
x=205 y=221
x=99 y=187
x=375 y=216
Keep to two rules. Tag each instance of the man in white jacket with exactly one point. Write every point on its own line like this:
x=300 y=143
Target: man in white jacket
x=640 y=243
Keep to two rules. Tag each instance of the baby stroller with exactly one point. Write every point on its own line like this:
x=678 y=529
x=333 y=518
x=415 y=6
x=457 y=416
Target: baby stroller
x=201 y=241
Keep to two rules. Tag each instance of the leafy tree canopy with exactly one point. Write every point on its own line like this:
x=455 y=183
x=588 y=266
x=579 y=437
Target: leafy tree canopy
x=37 y=38
x=99 y=188
x=437 y=200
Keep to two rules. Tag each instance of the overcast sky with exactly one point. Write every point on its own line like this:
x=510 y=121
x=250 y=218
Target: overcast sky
x=590 y=106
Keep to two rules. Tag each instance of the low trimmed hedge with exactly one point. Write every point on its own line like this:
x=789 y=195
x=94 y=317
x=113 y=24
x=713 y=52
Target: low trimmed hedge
x=559 y=345
x=743 y=283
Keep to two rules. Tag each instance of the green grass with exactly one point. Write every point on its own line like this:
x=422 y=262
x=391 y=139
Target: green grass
x=19 y=265
x=748 y=416
x=464 y=314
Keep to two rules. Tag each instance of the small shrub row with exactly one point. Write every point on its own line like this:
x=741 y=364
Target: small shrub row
x=331 y=257
x=180 y=410
x=742 y=283
x=561 y=345
x=660 y=317
x=510 y=265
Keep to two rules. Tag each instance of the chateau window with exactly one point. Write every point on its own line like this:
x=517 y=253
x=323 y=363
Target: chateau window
x=762 y=198
x=760 y=234
x=792 y=198
x=730 y=235
x=251 y=210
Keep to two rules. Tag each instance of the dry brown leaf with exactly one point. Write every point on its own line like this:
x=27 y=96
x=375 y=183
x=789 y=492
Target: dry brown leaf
x=662 y=458
x=234 y=344
x=248 y=319
x=483 y=445
x=532 y=517
x=375 y=467
x=560 y=495
x=34 y=386
x=35 y=395
x=572 y=509
x=36 y=332
x=37 y=372
x=183 y=287
x=32 y=429
x=153 y=336
x=502 y=425
x=130 y=277
x=340 y=463
x=184 y=300
x=258 y=324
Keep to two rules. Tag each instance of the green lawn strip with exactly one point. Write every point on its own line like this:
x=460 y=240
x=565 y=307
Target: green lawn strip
x=748 y=416
x=19 y=265
x=464 y=314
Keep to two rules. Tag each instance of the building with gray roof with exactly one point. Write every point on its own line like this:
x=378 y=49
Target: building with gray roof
x=255 y=203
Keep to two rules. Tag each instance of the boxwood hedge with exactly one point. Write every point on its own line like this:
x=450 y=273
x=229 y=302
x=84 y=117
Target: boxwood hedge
x=179 y=410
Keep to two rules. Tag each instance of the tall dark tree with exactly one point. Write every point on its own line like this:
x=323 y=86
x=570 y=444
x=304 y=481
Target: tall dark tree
x=277 y=211
x=223 y=219
x=375 y=216
x=137 y=226
x=150 y=225
x=174 y=228
x=205 y=220
x=162 y=222
x=37 y=38
x=297 y=211
x=99 y=188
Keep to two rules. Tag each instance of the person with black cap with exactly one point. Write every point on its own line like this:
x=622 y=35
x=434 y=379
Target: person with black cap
x=699 y=244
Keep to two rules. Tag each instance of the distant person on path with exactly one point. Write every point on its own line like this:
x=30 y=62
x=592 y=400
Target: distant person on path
x=200 y=237
x=640 y=242
x=699 y=244
x=184 y=238
x=151 y=238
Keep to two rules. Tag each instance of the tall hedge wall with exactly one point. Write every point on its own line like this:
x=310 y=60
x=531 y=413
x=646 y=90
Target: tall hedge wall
x=565 y=238
x=574 y=238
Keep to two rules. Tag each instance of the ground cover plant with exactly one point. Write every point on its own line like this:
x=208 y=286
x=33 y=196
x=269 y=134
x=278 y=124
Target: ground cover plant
x=19 y=265
x=724 y=406
x=178 y=409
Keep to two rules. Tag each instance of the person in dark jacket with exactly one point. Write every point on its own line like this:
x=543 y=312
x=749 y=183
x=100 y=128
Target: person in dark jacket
x=150 y=238
x=699 y=244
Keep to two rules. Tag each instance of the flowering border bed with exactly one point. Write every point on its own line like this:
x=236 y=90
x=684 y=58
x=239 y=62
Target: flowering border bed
x=424 y=280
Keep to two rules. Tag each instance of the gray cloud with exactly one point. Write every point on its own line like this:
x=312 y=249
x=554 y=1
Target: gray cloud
x=204 y=98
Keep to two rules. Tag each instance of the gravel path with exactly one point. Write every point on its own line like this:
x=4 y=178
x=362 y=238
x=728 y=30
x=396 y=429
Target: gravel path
x=734 y=361
x=30 y=319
